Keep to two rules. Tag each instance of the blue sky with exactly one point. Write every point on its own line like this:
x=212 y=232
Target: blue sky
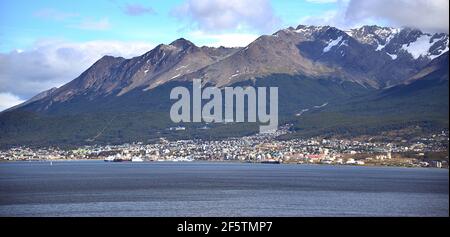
x=47 y=43
x=24 y=22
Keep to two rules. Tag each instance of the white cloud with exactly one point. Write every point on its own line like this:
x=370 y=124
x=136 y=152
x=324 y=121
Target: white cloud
x=53 y=63
x=54 y=14
x=427 y=15
x=222 y=15
x=322 y=1
x=83 y=23
x=331 y=18
x=8 y=100
x=88 y=24
x=137 y=10
x=225 y=39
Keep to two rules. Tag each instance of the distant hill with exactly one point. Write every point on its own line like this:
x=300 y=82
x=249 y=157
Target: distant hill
x=422 y=100
x=331 y=82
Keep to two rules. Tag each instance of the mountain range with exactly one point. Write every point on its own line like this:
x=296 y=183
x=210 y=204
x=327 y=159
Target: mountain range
x=365 y=81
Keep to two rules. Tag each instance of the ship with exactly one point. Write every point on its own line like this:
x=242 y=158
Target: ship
x=116 y=158
x=109 y=159
x=270 y=161
x=137 y=159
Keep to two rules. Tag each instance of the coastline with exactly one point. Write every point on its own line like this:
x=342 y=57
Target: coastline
x=223 y=162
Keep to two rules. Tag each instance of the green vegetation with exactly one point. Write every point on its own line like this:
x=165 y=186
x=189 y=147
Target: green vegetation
x=143 y=116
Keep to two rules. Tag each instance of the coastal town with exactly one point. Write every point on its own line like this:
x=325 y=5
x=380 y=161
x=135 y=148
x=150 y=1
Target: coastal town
x=429 y=151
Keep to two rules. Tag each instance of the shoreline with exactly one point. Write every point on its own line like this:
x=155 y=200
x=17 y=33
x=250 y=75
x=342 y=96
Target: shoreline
x=225 y=162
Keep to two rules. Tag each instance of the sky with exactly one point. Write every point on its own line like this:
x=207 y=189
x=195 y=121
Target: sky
x=47 y=43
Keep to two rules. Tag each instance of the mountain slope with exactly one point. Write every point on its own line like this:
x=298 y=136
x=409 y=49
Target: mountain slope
x=421 y=102
x=277 y=53
x=372 y=56
x=363 y=56
x=350 y=82
x=111 y=76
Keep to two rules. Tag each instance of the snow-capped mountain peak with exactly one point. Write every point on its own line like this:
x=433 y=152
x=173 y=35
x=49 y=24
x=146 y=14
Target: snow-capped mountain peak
x=373 y=35
x=402 y=42
x=427 y=45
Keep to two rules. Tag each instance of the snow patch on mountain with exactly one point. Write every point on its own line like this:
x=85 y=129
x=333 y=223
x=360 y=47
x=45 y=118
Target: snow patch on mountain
x=332 y=43
x=308 y=29
x=178 y=75
x=393 y=56
x=420 y=47
x=343 y=43
x=376 y=36
x=350 y=33
x=181 y=67
x=388 y=40
x=441 y=51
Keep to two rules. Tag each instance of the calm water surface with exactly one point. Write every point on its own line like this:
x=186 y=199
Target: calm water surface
x=96 y=188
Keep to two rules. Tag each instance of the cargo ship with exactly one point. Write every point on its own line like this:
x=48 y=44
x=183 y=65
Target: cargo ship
x=270 y=162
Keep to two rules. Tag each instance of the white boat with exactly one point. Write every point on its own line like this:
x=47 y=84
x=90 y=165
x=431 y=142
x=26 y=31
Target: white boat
x=186 y=159
x=109 y=159
x=137 y=159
